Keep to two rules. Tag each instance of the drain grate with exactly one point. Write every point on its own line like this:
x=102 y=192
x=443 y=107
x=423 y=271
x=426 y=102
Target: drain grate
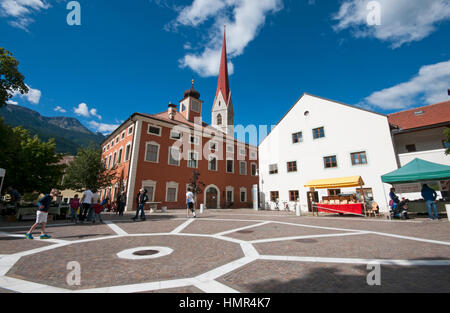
x=146 y=252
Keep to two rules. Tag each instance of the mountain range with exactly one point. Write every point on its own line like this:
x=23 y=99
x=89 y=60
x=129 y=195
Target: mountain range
x=68 y=132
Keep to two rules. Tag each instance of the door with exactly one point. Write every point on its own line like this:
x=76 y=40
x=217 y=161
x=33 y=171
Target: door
x=211 y=198
x=310 y=197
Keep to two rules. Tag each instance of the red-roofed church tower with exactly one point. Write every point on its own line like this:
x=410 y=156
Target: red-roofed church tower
x=222 y=111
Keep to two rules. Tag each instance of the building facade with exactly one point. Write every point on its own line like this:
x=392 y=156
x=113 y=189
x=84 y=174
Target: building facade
x=160 y=153
x=322 y=139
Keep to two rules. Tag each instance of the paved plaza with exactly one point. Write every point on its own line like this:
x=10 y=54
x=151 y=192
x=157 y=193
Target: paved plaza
x=227 y=251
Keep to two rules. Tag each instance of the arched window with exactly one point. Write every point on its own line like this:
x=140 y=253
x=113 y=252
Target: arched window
x=219 y=119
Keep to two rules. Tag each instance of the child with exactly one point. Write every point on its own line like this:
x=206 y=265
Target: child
x=74 y=205
x=42 y=214
x=98 y=208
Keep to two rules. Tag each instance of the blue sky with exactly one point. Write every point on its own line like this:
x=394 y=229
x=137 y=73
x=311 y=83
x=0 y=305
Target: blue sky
x=136 y=56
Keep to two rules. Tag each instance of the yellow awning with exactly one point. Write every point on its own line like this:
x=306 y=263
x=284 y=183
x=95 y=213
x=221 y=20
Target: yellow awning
x=343 y=182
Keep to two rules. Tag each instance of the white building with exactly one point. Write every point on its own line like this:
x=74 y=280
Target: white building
x=321 y=139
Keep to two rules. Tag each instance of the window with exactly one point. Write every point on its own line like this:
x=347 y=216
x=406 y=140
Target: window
x=243 y=195
x=150 y=191
x=219 y=119
x=117 y=139
x=119 y=160
x=254 y=169
x=195 y=140
x=330 y=161
x=230 y=198
x=213 y=146
x=152 y=152
x=112 y=143
x=242 y=152
x=212 y=164
x=334 y=192
x=171 y=192
x=230 y=166
x=411 y=148
x=130 y=130
x=294 y=195
x=127 y=153
x=359 y=158
x=105 y=163
x=107 y=148
x=243 y=168
x=292 y=167
x=114 y=159
x=253 y=155
x=230 y=148
x=368 y=193
x=193 y=159
x=318 y=133
x=123 y=136
x=154 y=130
x=297 y=137
x=273 y=169
x=174 y=156
x=175 y=135
x=195 y=107
x=109 y=161
x=183 y=108
x=274 y=196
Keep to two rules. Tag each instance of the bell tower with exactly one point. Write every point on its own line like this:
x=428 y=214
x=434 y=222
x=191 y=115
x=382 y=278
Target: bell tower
x=222 y=116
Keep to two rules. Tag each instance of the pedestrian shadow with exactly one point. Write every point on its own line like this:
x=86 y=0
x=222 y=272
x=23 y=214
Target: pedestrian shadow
x=350 y=278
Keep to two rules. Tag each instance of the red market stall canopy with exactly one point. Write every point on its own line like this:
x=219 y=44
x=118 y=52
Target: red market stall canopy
x=331 y=183
x=417 y=170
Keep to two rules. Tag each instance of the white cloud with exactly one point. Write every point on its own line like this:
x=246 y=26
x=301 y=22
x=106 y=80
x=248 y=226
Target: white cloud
x=243 y=20
x=59 y=109
x=402 y=21
x=428 y=86
x=12 y=102
x=94 y=113
x=19 y=11
x=33 y=95
x=82 y=110
x=103 y=128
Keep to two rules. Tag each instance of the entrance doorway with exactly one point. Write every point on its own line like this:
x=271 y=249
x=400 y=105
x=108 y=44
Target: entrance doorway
x=312 y=196
x=212 y=197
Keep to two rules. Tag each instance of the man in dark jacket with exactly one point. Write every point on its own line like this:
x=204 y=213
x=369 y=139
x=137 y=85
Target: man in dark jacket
x=430 y=196
x=141 y=199
x=122 y=202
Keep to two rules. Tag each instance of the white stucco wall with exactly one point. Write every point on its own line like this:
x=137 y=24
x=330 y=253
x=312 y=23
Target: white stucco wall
x=347 y=130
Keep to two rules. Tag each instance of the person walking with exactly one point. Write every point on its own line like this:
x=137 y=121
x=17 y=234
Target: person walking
x=74 y=205
x=98 y=208
x=430 y=196
x=86 y=205
x=141 y=199
x=42 y=215
x=122 y=203
x=190 y=202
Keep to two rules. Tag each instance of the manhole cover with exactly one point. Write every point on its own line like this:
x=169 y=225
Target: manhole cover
x=245 y=231
x=145 y=252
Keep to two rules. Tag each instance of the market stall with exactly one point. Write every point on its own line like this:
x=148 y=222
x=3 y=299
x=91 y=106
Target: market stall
x=344 y=204
x=419 y=172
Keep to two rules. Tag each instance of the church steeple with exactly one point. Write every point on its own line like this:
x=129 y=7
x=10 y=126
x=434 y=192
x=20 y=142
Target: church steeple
x=222 y=111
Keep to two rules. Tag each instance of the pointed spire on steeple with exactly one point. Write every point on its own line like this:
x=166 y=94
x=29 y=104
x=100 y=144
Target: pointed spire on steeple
x=223 y=84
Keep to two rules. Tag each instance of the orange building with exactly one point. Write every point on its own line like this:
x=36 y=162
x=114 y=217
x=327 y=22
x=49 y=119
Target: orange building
x=160 y=152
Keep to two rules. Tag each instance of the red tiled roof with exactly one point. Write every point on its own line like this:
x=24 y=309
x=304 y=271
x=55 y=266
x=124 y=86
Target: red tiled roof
x=434 y=114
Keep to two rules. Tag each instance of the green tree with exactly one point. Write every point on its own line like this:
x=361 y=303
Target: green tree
x=11 y=80
x=447 y=134
x=31 y=165
x=87 y=171
x=196 y=185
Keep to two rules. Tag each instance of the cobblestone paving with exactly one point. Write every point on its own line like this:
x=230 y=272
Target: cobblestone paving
x=285 y=254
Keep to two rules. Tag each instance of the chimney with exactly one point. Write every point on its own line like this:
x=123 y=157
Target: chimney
x=172 y=110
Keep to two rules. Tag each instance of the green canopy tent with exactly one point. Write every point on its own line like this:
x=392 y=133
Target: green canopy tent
x=417 y=170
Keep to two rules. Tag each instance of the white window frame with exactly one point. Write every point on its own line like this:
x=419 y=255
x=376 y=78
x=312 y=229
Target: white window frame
x=256 y=172
x=230 y=146
x=146 y=151
x=189 y=158
x=196 y=140
x=226 y=166
x=154 y=126
x=130 y=130
x=209 y=164
x=170 y=152
x=278 y=170
x=109 y=161
x=120 y=156
x=172 y=185
x=122 y=136
x=125 y=155
x=117 y=139
x=172 y=132
x=243 y=149
x=253 y=155
x=246 y=170
x=227 y=189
